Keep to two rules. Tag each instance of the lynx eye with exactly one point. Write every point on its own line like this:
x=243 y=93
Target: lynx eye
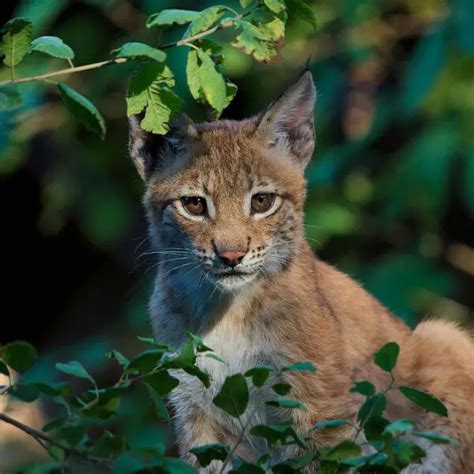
x=195 y=205
x=262 y=202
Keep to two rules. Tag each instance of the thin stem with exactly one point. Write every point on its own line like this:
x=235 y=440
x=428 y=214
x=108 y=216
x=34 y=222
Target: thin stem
x=41 y=438
x=71 y=70
x=70 y=63
x=239 y=440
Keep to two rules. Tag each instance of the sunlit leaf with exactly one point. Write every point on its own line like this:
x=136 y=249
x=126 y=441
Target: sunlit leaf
x=16 y=40
x=399 y=427
x=53 y=46
x=139 y=50
x=344 y=450
x=171 y=17
x=205 y=20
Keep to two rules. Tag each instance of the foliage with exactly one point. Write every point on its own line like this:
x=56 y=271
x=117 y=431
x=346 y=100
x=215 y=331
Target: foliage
x=87 y=430
x=391 y=188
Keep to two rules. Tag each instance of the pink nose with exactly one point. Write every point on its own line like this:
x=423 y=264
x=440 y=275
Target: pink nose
x=231 y=258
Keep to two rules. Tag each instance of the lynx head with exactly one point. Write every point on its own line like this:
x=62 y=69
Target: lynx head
x=225 y=199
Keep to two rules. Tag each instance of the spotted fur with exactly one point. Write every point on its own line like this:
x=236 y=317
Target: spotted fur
x=284 y=304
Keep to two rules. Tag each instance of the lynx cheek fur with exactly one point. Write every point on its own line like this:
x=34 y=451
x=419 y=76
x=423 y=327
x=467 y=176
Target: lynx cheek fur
x=225 y=206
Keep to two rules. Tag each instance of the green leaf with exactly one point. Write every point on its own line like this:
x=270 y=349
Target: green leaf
x=16 y=40
x=148 y=89
x=373 y=406
x=435 y=437
x=83 y=109
x=328 y=424
x=215 y=357
x=259 y=374
x=10 y=99
x=118 y=356
x=295 y=464
x=171 y=17
x=254 y=41
x=286 y=403
x=280 y=434
x=246 y=3
x=300 y=367
x=344 y=450
x=272 y=25
x=192 y=75
x=160 y=407
x=76 y=369
x=205 y=20
x=27 y=392
x=406 y=452
x=364 y=388
x=375 y=459
x=162 y=382
x=275 y=6
x=198 y=342
x=212 y=83
x=399 y=427
x=386 y=358
x=424 y=400
x=145 y=361
x=233 y=397
x=53 y=46
x=302 y=10
x=140 y=51
x=210 y=452
x=19 y=355
x=282 y=388
x=162 y=103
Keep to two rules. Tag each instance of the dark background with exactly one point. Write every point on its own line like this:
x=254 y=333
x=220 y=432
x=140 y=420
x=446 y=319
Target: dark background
x=391 y=187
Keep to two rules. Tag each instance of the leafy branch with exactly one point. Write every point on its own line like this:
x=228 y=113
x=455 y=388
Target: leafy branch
x=259 y=28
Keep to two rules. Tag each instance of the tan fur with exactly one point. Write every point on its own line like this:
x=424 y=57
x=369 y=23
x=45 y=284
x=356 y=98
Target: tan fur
x=296 y=309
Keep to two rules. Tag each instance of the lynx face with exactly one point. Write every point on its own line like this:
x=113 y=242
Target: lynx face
x=224 y=199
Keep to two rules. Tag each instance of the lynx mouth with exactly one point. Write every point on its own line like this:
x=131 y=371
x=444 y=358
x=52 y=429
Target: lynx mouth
x=233 y=279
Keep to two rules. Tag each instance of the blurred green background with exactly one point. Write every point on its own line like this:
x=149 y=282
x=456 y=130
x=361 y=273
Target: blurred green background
x=391 y=186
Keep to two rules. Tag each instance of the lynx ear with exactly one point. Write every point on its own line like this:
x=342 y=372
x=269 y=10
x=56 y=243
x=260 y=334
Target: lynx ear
x=289 y=120
x=149 y=151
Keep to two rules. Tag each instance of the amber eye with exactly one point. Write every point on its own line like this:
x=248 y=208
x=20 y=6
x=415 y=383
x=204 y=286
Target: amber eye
x=195 y=205
x=262 y=202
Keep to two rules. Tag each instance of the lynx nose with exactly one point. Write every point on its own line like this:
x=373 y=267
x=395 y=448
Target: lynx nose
x=231 y=258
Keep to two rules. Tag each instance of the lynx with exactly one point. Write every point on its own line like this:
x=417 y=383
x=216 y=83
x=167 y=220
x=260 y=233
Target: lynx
x=224 y=201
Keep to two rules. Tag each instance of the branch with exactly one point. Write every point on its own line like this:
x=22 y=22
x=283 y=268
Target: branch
x=41 y=438
x=71 y=70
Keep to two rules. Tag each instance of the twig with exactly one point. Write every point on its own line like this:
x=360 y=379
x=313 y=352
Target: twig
x=87 y=67
x=41 y=438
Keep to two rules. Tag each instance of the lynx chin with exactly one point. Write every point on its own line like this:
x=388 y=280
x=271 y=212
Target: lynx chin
x=224 y=202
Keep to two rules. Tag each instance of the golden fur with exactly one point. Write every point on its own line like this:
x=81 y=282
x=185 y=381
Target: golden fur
x=296 y=307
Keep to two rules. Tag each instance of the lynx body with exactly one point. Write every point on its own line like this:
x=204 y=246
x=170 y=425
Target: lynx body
x=225 y=206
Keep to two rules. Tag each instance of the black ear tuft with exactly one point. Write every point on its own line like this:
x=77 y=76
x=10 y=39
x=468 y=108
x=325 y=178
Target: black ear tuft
x=289 y=120
x=150 y=151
